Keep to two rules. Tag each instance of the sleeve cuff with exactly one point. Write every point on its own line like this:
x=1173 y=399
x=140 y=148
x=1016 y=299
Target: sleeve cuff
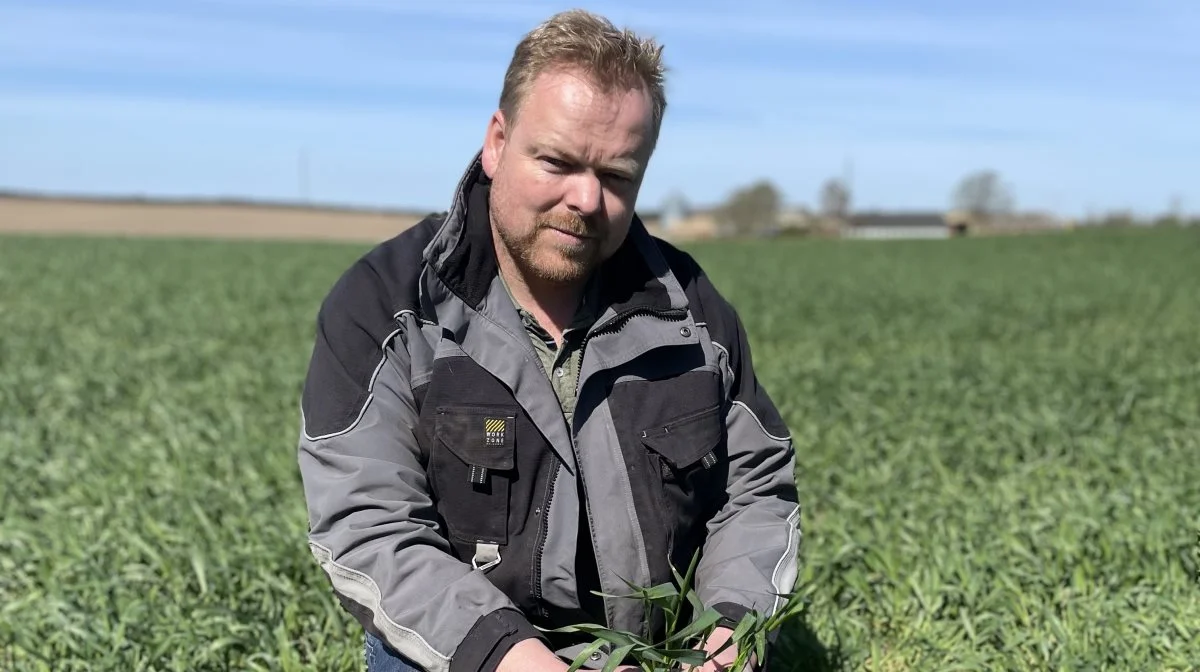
x=490 y=639
x=731 y=613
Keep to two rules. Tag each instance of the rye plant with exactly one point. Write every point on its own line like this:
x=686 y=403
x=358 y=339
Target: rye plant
x=680 y=644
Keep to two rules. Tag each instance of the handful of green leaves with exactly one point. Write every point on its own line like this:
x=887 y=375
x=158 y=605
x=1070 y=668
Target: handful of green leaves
x=680 y=644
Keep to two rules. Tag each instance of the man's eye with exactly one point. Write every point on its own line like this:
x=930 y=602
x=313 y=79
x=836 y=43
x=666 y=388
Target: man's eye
x=557 y=164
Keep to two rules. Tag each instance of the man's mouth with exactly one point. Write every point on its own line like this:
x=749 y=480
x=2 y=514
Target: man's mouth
x=573 y=234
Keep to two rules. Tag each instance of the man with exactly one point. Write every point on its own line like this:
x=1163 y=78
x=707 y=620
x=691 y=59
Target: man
x=528 y=399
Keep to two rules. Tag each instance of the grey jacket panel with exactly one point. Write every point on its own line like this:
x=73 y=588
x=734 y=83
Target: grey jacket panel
x=562 y=543
x=750 y=556
x=373 y=528
x=616 y=533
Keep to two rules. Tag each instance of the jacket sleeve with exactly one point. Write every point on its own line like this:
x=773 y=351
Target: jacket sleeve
x=751 y=553
x=372 y=523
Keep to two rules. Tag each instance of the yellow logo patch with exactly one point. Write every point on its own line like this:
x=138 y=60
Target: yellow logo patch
x=493 y=430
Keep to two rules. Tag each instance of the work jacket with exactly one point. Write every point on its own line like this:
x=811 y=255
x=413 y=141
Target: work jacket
x=452 y=505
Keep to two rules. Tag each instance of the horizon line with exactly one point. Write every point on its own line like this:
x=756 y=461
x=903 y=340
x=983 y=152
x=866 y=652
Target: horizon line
x=115 y=198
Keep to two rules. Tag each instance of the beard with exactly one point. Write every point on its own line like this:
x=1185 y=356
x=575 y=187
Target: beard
x=541 y=253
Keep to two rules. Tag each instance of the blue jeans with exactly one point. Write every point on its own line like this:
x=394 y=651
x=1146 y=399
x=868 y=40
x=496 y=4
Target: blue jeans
x=381 y=658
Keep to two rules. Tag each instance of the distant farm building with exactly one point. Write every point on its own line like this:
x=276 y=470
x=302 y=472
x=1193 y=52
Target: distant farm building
x=678 y=222
x=893 y=226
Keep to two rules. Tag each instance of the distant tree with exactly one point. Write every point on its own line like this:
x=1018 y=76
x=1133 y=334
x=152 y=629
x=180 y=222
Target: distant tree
x=1174 y=215
x=751 y=209
x=983 y=194
x=835 y=198
x=675 y=208
x=676 y=201
x=1118 y=218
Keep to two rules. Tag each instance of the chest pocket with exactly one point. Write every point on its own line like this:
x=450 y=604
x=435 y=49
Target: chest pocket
x=686 y=442
x=473 y=467
x=690 y=452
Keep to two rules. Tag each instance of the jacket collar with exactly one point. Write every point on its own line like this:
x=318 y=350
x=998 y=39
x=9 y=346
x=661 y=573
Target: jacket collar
x=641 y=307
x=462 y=257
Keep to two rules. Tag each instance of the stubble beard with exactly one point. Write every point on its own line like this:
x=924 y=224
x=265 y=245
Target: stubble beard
x=539 y=259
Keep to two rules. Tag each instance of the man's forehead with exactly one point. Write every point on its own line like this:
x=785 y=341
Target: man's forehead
x=568 y=98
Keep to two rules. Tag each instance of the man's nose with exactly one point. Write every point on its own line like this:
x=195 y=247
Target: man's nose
x=584 y=194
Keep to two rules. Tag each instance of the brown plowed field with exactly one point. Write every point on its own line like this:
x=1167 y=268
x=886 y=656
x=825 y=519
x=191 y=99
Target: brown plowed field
x=97 y=217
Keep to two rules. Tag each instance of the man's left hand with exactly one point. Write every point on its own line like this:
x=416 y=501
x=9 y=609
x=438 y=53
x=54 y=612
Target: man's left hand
x=724 y=660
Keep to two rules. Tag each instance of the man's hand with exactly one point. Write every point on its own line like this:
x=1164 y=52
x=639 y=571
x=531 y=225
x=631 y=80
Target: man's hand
x=531 y=655
x=723 y=660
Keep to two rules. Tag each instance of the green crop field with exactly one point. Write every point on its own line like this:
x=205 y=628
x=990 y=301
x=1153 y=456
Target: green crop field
x=998 y=441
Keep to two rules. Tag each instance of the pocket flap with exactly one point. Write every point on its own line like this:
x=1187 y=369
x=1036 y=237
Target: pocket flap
x=687 y=439
x=479 y=436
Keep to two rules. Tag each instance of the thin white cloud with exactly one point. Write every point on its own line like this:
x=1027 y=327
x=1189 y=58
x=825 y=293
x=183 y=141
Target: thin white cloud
x=90 y=40
x=166 y=43
x=1165 y=29
x=949 y=106
x=369 y=155
x=221 y=113
x=522 y=14
x=179 y=146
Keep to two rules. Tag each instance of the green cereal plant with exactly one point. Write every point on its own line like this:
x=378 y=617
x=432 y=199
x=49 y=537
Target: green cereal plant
x=680 y=644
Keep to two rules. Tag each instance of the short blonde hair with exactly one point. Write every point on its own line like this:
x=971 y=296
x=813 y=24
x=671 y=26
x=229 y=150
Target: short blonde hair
x=614 y=58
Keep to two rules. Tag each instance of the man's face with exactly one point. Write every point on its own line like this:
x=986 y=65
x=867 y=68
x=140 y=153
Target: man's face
x=566 y=174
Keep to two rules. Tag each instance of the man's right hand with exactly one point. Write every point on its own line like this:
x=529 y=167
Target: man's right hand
x=531 y=655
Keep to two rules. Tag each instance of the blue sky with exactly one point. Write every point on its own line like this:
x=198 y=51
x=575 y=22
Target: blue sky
x=1080 y=105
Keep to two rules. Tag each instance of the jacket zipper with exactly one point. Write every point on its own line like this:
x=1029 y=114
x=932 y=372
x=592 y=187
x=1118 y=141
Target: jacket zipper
x=614 y=324
x=543 y=532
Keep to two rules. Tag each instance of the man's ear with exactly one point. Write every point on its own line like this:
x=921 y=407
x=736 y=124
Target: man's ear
x=494 y=141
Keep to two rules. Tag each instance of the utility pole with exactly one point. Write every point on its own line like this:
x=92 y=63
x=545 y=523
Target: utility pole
x=1176 y=208
x=302 y=174
x=848 y=180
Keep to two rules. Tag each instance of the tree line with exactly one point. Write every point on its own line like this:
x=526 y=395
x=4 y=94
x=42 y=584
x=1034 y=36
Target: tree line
x=757 y=207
